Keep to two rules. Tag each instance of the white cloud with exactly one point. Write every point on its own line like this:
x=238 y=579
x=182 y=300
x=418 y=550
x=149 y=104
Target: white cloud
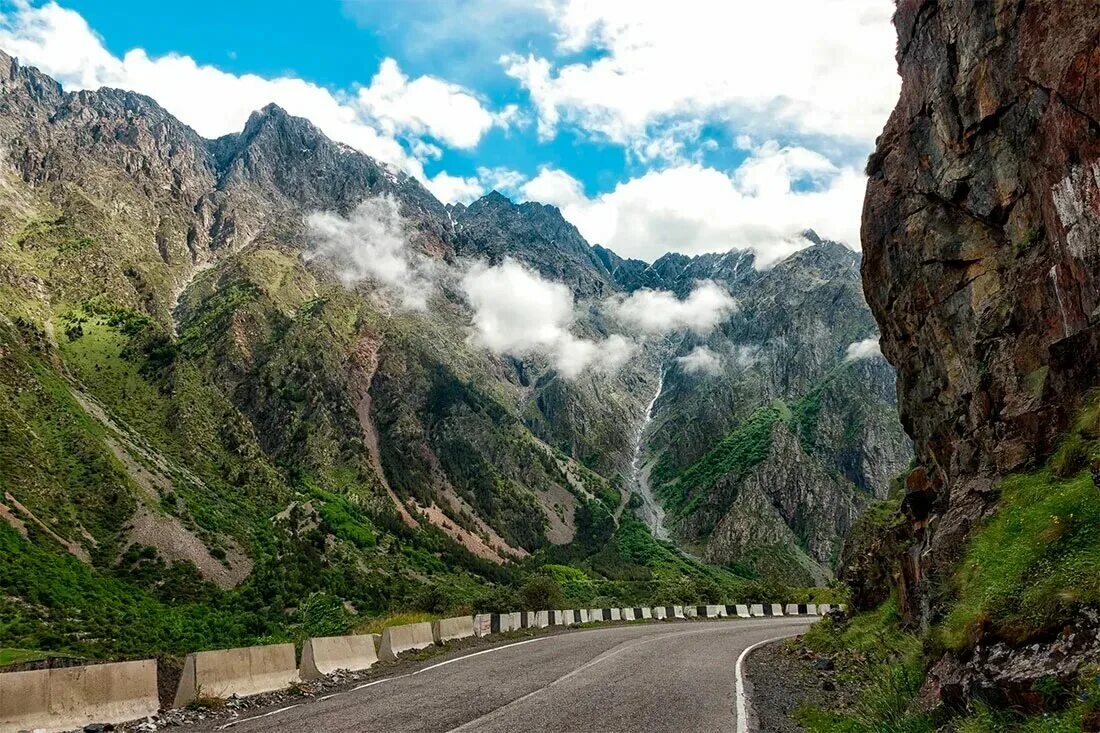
x=865 y=349
x=425 y=105
x=214 y=102
x=701 y=360
x=823 y=68
x=502 y=179
x=454 y=189
x=660 y=311
x=373 y=244
x=518 y=312
x=763 y=206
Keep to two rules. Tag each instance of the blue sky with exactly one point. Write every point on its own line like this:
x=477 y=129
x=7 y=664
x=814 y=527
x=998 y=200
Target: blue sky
x=695 y=126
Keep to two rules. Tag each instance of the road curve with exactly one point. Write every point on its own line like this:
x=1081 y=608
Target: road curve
x=653 y=677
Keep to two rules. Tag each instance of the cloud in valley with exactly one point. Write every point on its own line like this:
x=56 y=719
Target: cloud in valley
x=701 y=360
x=865 y=349
x=373 y=244
x=518 y=312
x=660 y=311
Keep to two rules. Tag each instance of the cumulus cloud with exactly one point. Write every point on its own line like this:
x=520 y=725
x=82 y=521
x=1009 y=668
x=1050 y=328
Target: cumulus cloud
x=660 y=311
x=763 y=206
x=701 y=360
x=373 y=244
x=214 y=102
x=517 y=312
x=865 y=349
x=455 y=189
x=830 y=72
x=425 y=105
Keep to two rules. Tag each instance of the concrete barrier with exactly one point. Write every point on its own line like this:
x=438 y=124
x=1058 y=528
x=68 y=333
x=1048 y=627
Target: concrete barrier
x=660 y=613
x=449 y=629
x=516 y=615
x=626 y=614
x=677 y=612
x=690 y=612
x=616 y=614
x=716 y=611
x=824 y=609
x=811 y=609
x=405 y=638
x=502 y=622
x=756 y=609
x=792 y=610
x=638 y=615
x=595 y=614
x=324 y=655
x=582 y=616
x=568 y=618
x=542 y=619
x=246 y=671
x=773 y=610
x=742 y=610
x=72 y=697
x=647 y=613
x=483 y=624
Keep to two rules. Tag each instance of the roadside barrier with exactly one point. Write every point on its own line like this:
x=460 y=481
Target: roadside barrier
x=792 y=610
x=690 y=612
x=245 y=671
x=567 y=618
x=324 y=655
x=756 y=610
x=449 y=629
x=398 y=639
x=595 y=614
x=660 y=613
x=582 y=616
x=774 y=609
x=483 y=624
x=742 y=610
x=627 y=614
x=72 y=697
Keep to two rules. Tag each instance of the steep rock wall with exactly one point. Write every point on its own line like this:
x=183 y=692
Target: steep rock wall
x=981 y=238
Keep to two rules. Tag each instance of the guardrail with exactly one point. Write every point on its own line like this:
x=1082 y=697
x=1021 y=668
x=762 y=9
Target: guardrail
x=71 y=697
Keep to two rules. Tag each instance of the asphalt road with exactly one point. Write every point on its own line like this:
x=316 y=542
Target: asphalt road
x=652 y=677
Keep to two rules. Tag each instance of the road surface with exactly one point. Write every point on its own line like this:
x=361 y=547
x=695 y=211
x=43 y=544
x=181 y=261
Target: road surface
x=654 y=677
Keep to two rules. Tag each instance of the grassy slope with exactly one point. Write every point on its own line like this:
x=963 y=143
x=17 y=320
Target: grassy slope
x=1024 y=573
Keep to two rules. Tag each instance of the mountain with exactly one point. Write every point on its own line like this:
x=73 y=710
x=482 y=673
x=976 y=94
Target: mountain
x=768 y=461
x=981 y=228
x=210 y=435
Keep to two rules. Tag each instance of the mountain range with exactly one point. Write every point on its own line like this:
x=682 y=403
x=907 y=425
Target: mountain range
x=205 y=418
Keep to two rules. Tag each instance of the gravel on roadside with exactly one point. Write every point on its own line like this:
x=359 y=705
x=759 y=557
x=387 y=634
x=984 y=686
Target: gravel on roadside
x=784 y=676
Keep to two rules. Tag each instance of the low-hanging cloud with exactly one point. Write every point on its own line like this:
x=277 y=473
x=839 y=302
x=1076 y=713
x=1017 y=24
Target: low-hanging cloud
x=518 y=312
x=701 y=360
x=865 y=349
x=660 y=311
x=373 y=244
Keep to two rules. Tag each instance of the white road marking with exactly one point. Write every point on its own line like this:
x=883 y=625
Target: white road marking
x=257 y=717
x=739 y=673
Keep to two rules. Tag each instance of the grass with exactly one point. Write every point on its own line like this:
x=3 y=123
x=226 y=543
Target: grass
x=1051 y=519
x=20 y=656
x=872 y=653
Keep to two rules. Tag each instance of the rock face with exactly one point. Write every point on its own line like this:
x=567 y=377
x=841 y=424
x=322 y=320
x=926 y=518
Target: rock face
x=981 y=235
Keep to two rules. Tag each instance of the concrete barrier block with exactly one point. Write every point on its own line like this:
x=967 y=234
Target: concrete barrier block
x=483 y=624
x=405 y=638
x=638 y=613
x=824 y=609
x=678 y=612
x=502 y=622
x=515 y=617
x=716 y=611
x=72 y=697
x=324 y=655
x=449 y=629
x=616 y=614
x=791 y=610
x=756 y=609
x=811 y=609
x=774 y=609
x=690 y=612
x=660 y=613
x=595 y=614
x=582 y=616
x=742 y=610
x=647 y=613
x=568 y=618
x=242 y=672
x=627 y=614
x=542 y=619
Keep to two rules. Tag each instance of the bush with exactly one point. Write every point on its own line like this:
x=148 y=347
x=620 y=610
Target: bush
x=541 y=592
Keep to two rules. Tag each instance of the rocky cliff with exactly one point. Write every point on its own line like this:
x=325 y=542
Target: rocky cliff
x=981 y=236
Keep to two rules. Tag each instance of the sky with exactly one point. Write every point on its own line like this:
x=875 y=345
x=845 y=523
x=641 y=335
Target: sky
x=692 y=126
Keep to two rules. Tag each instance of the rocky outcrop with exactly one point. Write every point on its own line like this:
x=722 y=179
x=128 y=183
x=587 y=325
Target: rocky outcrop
x=981 y=238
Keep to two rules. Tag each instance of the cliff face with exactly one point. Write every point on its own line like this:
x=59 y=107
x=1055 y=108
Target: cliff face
x=981 y=239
